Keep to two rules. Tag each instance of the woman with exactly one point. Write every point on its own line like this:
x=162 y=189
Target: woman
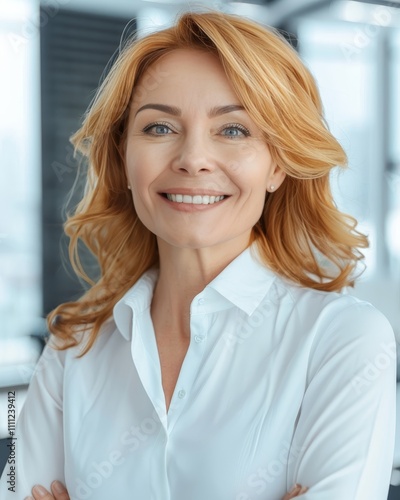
x=216 y=356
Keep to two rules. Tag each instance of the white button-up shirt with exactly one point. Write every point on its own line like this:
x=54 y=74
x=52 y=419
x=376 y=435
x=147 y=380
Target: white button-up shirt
x=280 y=385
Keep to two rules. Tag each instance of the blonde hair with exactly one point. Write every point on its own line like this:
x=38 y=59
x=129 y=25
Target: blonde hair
x=301 y=234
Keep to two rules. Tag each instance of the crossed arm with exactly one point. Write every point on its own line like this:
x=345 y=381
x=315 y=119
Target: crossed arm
x=58 y=492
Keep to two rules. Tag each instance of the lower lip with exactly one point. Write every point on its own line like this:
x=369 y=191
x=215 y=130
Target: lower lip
x=191 y=207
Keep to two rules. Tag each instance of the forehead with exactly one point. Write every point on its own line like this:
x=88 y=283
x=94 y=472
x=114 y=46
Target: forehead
x=179 y=58
x=184 y=73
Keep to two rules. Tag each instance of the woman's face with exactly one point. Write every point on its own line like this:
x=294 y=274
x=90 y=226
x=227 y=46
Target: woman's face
x=196 y=162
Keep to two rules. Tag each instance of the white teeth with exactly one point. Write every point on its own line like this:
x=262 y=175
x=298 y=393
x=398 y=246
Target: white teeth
x=195 y=200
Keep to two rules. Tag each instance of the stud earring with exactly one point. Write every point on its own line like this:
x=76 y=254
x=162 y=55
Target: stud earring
x=129 y=187
x=272 y=187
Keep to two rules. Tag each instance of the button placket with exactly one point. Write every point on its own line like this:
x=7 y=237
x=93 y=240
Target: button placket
x=181 y=394
x=199 y=322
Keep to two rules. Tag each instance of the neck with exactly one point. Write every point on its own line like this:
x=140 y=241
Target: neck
x=184 y=273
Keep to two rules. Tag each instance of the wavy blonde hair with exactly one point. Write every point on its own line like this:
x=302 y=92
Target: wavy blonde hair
x=301 y=234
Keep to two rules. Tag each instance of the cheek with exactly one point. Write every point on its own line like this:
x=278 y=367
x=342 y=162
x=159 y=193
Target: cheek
x=142 y=169
x=252 y=178
x=251 y=165
x=138 y=169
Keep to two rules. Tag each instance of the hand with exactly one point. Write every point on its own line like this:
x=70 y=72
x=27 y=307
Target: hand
x=58 y=492
x=296 y=491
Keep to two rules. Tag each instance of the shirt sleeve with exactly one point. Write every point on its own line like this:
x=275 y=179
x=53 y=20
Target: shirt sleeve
x=39 y=444
x=343 y=442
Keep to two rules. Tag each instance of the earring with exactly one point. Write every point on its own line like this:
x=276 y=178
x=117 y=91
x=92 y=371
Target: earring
x=272 y=187
x=129 y=187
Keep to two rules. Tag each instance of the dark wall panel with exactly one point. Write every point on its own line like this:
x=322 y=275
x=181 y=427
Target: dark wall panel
x=75 y=48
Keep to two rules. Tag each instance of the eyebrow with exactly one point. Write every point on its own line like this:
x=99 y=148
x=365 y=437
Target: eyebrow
x=172 y=110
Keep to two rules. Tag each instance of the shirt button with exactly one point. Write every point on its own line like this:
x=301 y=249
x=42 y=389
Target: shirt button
x=201 y=301
x=181 y=394
x=198 y=338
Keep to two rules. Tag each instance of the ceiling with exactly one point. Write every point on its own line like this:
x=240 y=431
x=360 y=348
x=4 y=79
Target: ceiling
x=272 y=12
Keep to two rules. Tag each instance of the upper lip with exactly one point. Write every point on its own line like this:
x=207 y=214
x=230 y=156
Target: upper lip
x=194 y=192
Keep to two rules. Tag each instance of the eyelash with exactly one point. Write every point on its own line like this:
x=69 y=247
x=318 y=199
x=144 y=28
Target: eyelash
x=237 y=126
x=155 y=124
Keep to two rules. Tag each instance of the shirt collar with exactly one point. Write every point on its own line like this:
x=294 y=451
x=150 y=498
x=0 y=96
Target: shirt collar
x=137 y=299
x=244 y=283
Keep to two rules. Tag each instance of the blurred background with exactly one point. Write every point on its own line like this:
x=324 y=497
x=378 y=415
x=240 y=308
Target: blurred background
x=52 y=55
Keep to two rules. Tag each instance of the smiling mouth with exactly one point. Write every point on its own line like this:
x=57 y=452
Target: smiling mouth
x=194 y=200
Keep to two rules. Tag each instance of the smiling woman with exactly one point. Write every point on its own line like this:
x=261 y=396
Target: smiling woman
x=217 y=356
x=197 y=158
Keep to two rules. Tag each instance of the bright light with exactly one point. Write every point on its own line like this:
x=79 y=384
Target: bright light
x=11 y=11
x=20 y=173
x=365 y=13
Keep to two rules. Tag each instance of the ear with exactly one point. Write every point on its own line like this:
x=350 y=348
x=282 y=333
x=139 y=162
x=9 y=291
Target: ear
x=275 y=179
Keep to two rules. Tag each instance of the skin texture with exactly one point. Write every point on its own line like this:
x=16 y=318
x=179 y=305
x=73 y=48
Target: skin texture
x=193 y=153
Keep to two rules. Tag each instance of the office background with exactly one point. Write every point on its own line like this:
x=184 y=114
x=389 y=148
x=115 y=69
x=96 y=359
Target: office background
x=52 y=55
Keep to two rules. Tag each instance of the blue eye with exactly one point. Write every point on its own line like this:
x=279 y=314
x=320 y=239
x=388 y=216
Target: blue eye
x=236 y=130
x=157 y=129
x=231 y=131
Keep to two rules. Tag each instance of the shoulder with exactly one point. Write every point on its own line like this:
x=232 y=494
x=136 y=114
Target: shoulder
x=107 y=341
x=333 y=322
x=332 y=309
x=54 y=356
x=350 y=335
x=61 y=371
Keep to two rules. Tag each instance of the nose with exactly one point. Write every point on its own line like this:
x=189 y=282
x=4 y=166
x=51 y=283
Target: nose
x=194 y=156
